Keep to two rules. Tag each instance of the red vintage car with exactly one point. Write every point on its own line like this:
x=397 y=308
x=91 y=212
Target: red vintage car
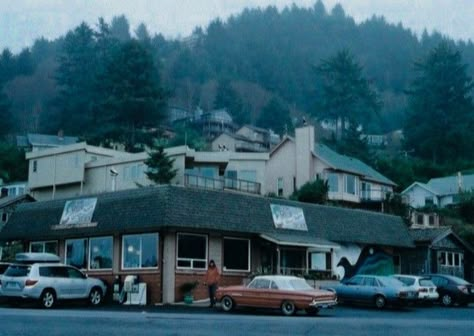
x=287 y=293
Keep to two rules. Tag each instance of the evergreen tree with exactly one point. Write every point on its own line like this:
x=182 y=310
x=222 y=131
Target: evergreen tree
x=132 y=94
x=5 y=116
x=13 y=165
x=313 y=192
x=345 y=95
x=227 y=97
x=276 y=117
x=440 y=118
x=160 y=166
x=120 y=28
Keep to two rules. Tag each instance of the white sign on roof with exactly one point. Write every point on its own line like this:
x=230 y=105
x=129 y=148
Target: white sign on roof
x=288 y=217
x=78 y=212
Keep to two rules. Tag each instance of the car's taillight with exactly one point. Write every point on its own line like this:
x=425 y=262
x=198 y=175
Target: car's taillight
x=463 y=289
x=29 y=282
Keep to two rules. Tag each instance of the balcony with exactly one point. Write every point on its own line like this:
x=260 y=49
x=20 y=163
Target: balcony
x=221 y=183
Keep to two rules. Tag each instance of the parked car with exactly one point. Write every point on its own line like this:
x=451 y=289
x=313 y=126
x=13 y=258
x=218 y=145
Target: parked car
x=287 y=293
x=453 y=290
x=424 y=286
x=49 y=283
x=377 y=290
x=3 y=268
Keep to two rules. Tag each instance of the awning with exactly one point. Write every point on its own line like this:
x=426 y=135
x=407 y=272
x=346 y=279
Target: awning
x=284 y=239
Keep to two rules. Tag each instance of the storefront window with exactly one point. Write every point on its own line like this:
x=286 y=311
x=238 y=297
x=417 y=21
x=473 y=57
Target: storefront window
x=192 y=251
x=44 y=247
x=140 y=251
x=100 y=253
x=236 y=254
x=76 y=253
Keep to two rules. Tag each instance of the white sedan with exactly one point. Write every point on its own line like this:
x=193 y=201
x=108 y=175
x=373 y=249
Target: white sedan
x=424 y=286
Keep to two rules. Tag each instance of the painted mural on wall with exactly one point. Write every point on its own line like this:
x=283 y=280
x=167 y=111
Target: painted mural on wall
x=351 y=260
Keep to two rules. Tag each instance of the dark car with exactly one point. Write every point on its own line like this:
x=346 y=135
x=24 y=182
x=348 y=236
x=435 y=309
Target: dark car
x=374 y=290
x=453 y=290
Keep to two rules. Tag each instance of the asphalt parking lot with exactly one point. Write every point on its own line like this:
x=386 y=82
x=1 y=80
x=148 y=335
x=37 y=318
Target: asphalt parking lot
x=75 y=319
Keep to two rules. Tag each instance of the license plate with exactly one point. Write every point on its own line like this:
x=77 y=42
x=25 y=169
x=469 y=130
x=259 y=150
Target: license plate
x=13 y=285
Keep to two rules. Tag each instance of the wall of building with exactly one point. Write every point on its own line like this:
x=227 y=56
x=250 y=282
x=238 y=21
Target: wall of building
x=282 y=164
x=223 y=140
x=417 y=196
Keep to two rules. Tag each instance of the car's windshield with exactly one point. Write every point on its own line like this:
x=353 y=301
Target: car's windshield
x=18 y=270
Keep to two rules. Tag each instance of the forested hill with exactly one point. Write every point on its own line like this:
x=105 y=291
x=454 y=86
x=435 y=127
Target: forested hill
x=260 y=53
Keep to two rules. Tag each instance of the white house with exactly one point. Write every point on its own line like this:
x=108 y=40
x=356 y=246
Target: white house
x=439 y=192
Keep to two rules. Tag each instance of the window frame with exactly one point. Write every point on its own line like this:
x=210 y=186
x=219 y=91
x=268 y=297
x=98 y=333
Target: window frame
x=89 y=263
x=335 y=176
x=35 y=166
x=85 y=251
x=178 y=234
x=346 y=189
x=140 y=262
x=44 y=242
x=249 y=249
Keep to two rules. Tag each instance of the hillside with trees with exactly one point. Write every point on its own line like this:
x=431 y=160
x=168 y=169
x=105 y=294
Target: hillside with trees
x=106 y=83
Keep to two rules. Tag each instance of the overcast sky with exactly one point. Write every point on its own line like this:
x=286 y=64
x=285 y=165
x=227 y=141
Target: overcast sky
x=21 y=21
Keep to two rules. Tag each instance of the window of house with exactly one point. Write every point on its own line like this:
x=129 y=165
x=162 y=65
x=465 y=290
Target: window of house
x=248 y=175
x=320 y=261
x=192 y=251
x=280 y=186
x=420 y=219
x=449 y=259
x=140 y=251
x=76 y=253
x=350 y=187
x=457 y=260
x=366 y=188
x=35 y=166
x=231 y=179
x=44 y=247
x=333 y=182
x=4 y=217
x=429 y=200
x=100 y=253
x=236 y=254
x=442 y=258
x=431 y=220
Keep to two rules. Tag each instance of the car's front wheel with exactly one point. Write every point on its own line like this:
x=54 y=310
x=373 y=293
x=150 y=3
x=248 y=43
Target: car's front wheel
x=447 y=300
x=380 y=301
x=48 y=299
x=288 y=308
x=95 y=296
x=227 y=303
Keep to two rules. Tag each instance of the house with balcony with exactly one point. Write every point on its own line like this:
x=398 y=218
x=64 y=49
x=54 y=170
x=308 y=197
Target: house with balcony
x=439 y=192
x=296 y=161
x=81 y=169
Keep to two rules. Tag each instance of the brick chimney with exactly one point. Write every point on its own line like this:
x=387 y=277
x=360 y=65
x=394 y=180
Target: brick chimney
x=304 y=154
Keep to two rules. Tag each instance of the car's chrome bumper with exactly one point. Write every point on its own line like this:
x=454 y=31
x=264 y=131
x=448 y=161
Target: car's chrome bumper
x=323 y=304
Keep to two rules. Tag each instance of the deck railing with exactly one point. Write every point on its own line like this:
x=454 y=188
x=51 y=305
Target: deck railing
x=221 y=183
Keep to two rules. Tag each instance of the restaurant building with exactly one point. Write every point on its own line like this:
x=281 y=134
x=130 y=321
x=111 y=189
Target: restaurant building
x=167 y=234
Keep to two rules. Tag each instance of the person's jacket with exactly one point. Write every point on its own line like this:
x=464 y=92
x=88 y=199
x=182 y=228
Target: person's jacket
x=212 y=276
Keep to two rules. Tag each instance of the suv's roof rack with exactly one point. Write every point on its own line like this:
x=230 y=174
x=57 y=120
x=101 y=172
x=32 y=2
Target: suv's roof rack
x=33 y=257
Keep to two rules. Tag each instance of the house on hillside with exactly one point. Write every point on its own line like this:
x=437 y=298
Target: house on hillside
x=298 y=160
x=439 y=192
x=13 y=188
x=248 y=138
x=37 y=142
x=166 y=235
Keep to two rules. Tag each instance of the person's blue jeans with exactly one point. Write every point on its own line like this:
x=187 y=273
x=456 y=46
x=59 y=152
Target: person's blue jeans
x=212 y=293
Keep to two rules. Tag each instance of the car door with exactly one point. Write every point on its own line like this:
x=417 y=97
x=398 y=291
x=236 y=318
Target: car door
x=349 y=290
x=77 y=283
x=368 y=289
x=58 y=277
x=256 y=293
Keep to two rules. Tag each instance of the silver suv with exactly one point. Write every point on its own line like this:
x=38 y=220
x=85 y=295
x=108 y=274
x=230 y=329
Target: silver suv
x=50 y=282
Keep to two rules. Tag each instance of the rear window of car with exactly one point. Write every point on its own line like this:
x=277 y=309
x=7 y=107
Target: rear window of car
x=407 y=281
x=426 y=283
x=17 y=271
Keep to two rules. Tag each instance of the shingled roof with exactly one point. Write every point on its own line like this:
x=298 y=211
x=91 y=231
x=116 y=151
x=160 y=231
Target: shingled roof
x=177 y=207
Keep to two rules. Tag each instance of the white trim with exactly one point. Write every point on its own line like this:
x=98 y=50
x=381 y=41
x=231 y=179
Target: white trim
x=283 y=243
x=141 y=251
x=191 y=260
x=248 y=259
x=90 y=252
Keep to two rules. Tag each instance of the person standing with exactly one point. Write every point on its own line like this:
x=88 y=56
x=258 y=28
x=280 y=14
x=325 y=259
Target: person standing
x=211 y=279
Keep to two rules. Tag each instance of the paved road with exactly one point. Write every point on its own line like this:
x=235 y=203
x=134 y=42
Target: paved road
x=345 y=321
